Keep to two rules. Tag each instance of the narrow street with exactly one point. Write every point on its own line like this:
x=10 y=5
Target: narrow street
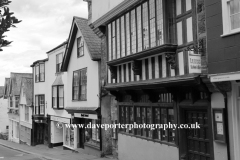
x=10 y=154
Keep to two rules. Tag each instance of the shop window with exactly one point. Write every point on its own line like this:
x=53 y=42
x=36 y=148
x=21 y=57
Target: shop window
x=92 y=135
x=148 y=115
x=58 y=97
x=80 y=85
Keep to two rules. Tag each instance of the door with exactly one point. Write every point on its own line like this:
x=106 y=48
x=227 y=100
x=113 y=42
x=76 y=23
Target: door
x=198 y=140
x=82 y=134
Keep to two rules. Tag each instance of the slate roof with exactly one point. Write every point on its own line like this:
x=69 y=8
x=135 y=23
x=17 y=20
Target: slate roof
x=92 y=41
x=15 y=82
x=27 y=88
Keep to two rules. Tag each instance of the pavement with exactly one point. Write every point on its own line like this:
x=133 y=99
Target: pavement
x=56 y=153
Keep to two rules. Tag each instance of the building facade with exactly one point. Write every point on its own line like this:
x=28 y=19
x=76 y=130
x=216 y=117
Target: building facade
x=26 y=110
x=223 y=28
x=156 y=55
x=13 y=95
x=81 y=64
x=56 y=96
x=39 y=117
x=4 y=109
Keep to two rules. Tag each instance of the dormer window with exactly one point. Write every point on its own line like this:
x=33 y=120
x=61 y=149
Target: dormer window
x=80 y=47
x=40 y=72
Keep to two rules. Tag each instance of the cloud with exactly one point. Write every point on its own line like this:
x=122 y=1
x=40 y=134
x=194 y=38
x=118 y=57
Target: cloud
x=45 y=24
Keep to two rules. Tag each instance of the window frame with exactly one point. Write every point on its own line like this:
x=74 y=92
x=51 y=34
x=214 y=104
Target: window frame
x=38 y=76
x=80 y=47
x=149 y=135
x=16 y=99
x=226 y=19
x=79 y=98
x=39 y=104
x=58 y=65
x=58 y=97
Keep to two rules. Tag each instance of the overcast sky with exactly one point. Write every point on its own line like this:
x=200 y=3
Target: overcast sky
x=45 y=24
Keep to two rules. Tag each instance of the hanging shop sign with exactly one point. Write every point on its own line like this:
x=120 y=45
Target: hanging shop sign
x=194 y=63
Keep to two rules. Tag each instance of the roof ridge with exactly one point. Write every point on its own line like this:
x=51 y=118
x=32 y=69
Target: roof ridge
x=80 y=18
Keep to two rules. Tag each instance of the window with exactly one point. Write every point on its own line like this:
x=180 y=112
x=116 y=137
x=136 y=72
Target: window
x=40 y=72
x=11 y=101
x=26 y=113
x=155 y=114
x=138 y=29
x=80 y=85
x=80 y=47
x=231 y=16
x=57 y=97
x=16 y=101
x=39 y=105
x=58 y=62
x=92 y=135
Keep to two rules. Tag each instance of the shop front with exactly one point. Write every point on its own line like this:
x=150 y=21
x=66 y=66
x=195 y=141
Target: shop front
x=39 y=130
x=88 y=134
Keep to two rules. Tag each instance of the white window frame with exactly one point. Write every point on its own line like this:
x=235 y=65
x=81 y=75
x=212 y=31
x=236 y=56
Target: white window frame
x=226 y=19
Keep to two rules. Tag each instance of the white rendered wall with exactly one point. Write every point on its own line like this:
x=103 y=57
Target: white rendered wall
x=99 y=8
x=92 y=77
x=3 y=114
x=132 y=148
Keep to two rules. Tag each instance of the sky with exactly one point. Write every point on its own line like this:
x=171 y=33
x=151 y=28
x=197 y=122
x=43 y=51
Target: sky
x=45 y=24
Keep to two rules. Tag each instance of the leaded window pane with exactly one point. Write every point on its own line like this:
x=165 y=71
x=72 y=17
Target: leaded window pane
x=145 y=26
x=133 y=31
x=152 y=23
x=118 y=39
x=123 y=48
x=109 y=42
x=128 y=33
x=235 y=14
x=113 y=41
x=160 y=39
x=139 y=28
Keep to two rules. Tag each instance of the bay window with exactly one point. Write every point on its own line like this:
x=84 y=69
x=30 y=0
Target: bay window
x=79 y=89
x=58 y=97
x=17 y=101
x=139 y=29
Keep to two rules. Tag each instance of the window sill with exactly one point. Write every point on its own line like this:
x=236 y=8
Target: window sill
x=78 y=100
x=58 y=108
x=149 y=139
x=229 y=34
x=80 y=56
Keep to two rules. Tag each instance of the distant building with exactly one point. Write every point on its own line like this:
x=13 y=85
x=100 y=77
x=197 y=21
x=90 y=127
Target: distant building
x=26 y=110
x=13 y=95
x=3 y=112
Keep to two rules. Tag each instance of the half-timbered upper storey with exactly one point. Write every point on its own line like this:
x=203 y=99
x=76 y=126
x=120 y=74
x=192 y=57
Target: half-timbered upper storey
x=148 y=40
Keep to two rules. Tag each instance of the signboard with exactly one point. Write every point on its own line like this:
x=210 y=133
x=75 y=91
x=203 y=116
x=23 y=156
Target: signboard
x=194 y=63
x=60 y=119
x=226 y=77
x=219 y=125
x=87 y=116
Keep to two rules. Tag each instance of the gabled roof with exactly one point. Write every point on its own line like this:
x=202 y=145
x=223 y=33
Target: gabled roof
x=93 y=42
x=27 y=89
x=62 y=44
x=15 y=82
